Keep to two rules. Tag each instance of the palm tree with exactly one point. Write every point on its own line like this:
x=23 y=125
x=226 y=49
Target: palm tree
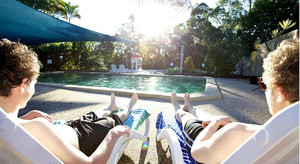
x=70 y=11
x=51 y=7
x=46 y=6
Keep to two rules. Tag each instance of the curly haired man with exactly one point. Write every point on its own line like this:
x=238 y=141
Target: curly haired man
x=213 y=141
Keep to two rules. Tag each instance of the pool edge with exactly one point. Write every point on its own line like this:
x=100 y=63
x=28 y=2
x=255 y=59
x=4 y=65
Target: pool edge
x=211 y=91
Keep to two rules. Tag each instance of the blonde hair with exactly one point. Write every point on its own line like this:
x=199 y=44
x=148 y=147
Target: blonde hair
x=17 y=62
x=281 y=69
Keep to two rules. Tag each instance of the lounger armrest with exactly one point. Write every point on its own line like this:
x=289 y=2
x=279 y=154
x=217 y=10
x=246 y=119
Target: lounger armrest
x=170 y=135
x=122 y=143
x=119 y=145
x=147 y=127
x=137 y=135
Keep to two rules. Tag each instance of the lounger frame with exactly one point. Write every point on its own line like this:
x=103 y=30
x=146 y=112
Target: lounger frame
x=18 y=146
x=276 y=142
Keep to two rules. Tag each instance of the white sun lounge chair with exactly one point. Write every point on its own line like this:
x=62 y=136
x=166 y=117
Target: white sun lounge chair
x=134 y=120
x=122 y=69
x=18 y=146
x=169 y=128
x=114 y=69
x=276 y=142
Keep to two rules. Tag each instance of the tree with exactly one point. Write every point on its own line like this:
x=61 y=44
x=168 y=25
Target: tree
x=53 y=51
x=189 y=64
x=126 y=50
x=104 y=55
x=201 y=34
x=70 y=11
x=173 y=3
x=51 y=7
x=264 y=17
x=56 y=8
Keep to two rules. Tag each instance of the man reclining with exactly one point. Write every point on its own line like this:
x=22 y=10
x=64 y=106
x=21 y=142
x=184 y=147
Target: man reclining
x=89 y=139
x=213 y=141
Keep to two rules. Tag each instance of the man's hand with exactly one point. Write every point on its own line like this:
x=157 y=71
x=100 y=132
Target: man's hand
x=223 y=120
x=120 y=130
x=36 y=114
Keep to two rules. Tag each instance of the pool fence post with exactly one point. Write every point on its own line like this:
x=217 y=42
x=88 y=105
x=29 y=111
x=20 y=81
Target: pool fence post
x=181 y=58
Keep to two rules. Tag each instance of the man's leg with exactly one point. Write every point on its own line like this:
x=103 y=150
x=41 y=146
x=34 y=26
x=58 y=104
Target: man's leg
x=109 y=109
x=181 y=115
x=187 y=105
x=123 y=114
x=191 y=125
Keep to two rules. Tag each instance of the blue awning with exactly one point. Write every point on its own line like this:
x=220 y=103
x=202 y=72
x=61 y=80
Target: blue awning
x=19 y=22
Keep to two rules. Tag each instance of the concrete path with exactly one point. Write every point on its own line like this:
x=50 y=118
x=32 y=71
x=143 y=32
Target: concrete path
x=238 y=102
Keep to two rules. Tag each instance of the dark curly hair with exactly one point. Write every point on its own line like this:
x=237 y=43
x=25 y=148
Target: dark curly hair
x=16 y=63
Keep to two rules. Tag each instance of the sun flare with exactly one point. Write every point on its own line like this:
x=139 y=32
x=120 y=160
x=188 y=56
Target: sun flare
x=154 y=19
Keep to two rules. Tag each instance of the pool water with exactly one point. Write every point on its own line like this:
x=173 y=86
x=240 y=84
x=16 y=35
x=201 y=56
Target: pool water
x=166 y=84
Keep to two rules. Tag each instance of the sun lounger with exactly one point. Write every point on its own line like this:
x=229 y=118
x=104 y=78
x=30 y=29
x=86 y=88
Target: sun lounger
x=18 y=146
x=169 y=128
x=276 y=142
x=123 y=69
x=114 y=69
x=134 y=121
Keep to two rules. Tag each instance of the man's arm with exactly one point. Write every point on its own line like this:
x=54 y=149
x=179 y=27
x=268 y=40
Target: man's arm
x=36 y=114
x=46 y=133
x=102 y=153
x=214 y=146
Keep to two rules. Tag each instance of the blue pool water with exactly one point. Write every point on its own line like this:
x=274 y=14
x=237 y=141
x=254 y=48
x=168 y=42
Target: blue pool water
x=166 y=84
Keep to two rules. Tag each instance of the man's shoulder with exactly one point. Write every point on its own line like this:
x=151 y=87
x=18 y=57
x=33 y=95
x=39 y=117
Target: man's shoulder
x=35 y=124
x=237 y=128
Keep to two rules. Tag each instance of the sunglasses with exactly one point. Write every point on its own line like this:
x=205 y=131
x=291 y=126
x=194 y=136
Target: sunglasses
x=261 y=84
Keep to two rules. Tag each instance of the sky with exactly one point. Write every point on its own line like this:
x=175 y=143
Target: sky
x=107 y=16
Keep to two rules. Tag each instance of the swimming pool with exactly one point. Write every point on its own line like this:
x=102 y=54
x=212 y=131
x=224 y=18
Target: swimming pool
x=164 y=84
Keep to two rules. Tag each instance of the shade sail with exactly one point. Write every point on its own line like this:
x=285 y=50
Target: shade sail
x=19 y=22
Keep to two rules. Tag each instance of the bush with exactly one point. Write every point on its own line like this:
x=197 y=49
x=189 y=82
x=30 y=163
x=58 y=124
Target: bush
x=199 y=71
x=174 y=70
x=188 y=64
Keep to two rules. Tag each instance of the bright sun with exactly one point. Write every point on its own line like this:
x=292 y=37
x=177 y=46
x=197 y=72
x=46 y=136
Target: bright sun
x=154 y=19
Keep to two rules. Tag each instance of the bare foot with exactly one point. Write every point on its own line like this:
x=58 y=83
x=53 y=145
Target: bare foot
x=187 y=104
x=113 y=106
x=174 y=101
x=123 y=114
x=134 y=99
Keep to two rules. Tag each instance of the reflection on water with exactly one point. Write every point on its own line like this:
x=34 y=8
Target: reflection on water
x=138 y=82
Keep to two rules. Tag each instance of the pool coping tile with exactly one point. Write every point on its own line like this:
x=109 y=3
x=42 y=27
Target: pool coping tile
x=211 y=90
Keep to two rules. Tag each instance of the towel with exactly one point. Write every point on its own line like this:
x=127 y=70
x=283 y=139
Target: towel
x=168 y=119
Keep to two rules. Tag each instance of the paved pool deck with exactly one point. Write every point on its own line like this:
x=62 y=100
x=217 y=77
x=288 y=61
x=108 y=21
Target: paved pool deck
x=238 y=101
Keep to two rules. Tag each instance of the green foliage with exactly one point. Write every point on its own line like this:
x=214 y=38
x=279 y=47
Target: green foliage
x=286 y=24
x=57 y=8
x=220 y=58
x=199 y=71
x=257 y=51
x=86 y=56
x=174 y=70
x=219 y=37
x=69 y=11
x=189 y=64
x=124 y=51
x=203 y=37
x=263 y=18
